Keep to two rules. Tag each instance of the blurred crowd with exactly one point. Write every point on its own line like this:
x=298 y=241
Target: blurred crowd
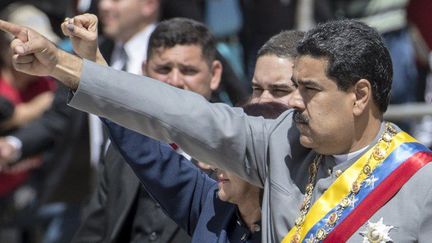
x=62 y=153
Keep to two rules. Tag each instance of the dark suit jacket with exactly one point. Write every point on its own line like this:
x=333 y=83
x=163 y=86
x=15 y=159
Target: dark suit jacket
x=62 y=134
x=112 y=210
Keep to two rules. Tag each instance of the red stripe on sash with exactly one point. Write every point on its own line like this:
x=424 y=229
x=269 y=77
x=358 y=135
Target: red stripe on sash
x=378 y=197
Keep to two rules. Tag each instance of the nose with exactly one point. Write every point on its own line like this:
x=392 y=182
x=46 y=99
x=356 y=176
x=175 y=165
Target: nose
x=265 y=96
x=175 y=79
x=296 y=101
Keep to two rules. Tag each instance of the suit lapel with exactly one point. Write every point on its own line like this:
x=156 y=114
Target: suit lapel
x=125 y=194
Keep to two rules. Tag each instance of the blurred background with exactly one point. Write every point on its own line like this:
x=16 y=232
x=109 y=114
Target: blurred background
x=41 y=199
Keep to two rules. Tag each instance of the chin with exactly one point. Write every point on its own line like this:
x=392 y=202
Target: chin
x=110 y=31
x=306 y=142
x=222 y=196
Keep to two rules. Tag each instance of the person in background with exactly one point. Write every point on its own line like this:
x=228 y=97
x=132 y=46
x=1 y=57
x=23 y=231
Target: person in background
x=272 y=78
x=181 y=53
x=45 y=141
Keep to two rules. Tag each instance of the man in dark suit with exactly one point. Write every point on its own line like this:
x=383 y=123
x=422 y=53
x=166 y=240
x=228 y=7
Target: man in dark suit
x=181 y=53
x=120 y=210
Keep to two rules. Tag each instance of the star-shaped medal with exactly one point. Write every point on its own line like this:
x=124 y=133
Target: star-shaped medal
x=377 y=232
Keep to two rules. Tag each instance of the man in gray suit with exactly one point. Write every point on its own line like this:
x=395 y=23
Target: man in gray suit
x=341 y=173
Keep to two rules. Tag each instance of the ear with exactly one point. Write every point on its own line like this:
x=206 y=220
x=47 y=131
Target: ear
x=363 y=96
x=144 y=67
x=216 y=71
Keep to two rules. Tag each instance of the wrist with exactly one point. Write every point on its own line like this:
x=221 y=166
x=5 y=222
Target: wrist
x=68 y=69
x=100 y=59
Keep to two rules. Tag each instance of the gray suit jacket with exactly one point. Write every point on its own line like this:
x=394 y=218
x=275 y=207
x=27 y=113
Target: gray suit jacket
x=267 y=153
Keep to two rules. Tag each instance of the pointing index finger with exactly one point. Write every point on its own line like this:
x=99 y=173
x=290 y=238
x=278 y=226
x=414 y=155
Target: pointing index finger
x=15 y=30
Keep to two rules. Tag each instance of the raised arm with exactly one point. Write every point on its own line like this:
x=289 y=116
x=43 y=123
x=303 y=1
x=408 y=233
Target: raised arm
x=172 y=180
x=214 y=133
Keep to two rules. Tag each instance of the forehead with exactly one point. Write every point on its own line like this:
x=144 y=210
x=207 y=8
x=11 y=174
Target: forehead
x=178 y=53
x=311 y=68
x=271 y=69
x=123 y=2
x=313 y=71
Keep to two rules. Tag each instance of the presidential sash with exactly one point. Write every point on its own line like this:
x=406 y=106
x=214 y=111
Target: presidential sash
x=328 y=220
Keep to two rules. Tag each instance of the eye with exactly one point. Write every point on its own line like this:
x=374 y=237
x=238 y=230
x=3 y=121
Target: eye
x=281 y=92
x=189 y=71
x=308 y=88
x=163 y=70
x=257 y=90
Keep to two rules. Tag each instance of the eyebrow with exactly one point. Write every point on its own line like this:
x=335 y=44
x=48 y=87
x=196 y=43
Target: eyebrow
x=163 y=64
x=255 y=84
x=281 y=85
x=188 y=66
x=309 y=83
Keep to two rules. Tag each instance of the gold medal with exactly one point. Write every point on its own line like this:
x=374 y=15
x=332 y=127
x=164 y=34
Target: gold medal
x=333 y=218
x=321 y=234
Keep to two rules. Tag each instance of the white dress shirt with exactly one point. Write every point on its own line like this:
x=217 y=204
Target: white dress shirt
x=136 y=52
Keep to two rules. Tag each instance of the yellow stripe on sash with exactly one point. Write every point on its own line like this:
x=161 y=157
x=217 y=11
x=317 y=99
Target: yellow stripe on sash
x=342 y=186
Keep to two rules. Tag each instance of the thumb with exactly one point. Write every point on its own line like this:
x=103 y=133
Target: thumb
x=38 y=45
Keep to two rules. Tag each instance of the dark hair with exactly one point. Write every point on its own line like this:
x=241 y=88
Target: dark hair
x=183 y=31
x=268 y=110
x=354 y=51
x=282 y=45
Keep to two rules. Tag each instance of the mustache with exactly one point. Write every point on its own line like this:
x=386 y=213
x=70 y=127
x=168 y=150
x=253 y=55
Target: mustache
x=299 y=118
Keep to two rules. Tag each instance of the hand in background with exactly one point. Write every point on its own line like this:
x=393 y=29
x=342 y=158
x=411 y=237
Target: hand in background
x=8 y=153
x=83 y=32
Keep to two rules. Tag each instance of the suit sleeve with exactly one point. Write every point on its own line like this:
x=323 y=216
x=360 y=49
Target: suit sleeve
x=212 y=133
x=172 y=180
x=43 y=132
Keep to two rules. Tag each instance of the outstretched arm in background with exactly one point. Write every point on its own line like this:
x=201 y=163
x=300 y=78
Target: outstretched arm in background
x=178 y=186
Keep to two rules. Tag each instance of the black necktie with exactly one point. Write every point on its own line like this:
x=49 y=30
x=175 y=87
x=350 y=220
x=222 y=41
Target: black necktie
x=124 y=58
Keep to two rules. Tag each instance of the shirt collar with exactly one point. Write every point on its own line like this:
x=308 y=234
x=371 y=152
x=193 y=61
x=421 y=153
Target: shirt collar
x=136 y=49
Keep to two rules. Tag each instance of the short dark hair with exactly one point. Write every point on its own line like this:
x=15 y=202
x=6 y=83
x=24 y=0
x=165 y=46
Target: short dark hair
x=268 y=110
x=354 y=51
x=283 y=45
x=182 y=31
